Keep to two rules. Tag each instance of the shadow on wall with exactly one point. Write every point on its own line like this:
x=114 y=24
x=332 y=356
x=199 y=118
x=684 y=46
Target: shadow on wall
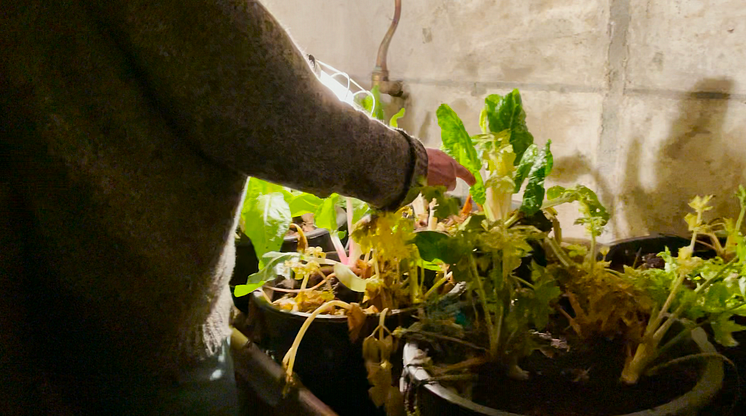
x=695 y=159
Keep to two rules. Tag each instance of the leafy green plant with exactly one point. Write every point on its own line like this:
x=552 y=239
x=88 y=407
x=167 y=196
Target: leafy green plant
x=485 y=256
x=693 y=291
x=266 y=217
x=505 y=149
x=485 y=250
x=603 y=303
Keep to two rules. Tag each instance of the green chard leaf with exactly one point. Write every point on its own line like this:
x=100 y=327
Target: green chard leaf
x=533 y=197
x=275 y=266
x=723 y=328
x=446 y=205
x=394 y=121
x=359 y=208
x=458 y=145
x=436 y=246
x=303 y=203
x=506 y=113
x=594 y=215
x=326 y=214
x=527 y=163
x=266 y=216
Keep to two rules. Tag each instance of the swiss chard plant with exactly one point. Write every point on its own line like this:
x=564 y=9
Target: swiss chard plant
x=487 y=248
x=505 y=150
x=693 y=291
x=266 y=216
x=653 y=309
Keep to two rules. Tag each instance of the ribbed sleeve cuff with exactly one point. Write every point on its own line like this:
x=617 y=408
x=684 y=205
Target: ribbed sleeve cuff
x=417 y=177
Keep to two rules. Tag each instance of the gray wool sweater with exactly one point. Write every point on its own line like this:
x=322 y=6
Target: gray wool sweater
x=127 y=131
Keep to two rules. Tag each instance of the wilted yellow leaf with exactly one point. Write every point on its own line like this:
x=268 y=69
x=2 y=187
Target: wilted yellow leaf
x=355 y=321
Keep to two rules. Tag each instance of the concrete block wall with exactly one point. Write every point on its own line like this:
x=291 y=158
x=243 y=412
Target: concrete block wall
x=644 y=101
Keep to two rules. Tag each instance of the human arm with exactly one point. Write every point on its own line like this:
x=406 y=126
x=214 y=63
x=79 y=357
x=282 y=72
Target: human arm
x=232 y=82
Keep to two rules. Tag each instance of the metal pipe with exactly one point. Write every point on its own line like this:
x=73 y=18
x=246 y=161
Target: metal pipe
x=384 y=48
x=380 y=75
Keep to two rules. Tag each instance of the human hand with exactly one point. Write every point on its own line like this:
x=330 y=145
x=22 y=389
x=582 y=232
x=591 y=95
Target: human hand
x=442 y=170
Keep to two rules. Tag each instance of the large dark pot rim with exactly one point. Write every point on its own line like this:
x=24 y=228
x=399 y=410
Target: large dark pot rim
x=262 y=302
x=709 y=383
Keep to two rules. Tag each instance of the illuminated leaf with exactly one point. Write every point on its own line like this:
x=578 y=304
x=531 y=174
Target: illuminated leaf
x=506 y=113
x=394 y=121
x=723 y=329
x=458 y=145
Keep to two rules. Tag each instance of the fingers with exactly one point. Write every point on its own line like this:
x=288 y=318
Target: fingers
x=443 y=170
x=451 y=185
x=463 y=173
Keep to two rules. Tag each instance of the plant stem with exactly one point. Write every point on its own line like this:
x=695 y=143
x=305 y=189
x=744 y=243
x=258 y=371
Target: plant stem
x=304 y=283
x=382 y=324
x=524 y=282
x=318 y=285
x=426 y=334
x=468 y=363
x=559 y=252
x=649 y=348
x=513 y=219
x=353 y=247
x=338 y=247
x=720 y=273
x=592 y=254
x=289 y=360
x=741 y=214
x=375 y=264
x=436 y=286
x=656 y=322
x=483 y=301
x=686 y=331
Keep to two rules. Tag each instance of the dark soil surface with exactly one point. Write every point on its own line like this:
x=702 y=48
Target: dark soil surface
x=583 y=382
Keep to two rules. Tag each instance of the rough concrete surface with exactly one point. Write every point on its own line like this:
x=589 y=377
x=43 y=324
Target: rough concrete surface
x=671 y=150
x=675 y=44
x=644 y=101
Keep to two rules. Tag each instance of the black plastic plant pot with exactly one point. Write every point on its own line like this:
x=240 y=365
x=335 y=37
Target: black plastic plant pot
x=247 y=263
x=631 y=251
x=328 y=362
x=429 y=397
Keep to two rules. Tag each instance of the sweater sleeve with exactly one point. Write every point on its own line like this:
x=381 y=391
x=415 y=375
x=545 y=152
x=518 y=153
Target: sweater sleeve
x=231 y=81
